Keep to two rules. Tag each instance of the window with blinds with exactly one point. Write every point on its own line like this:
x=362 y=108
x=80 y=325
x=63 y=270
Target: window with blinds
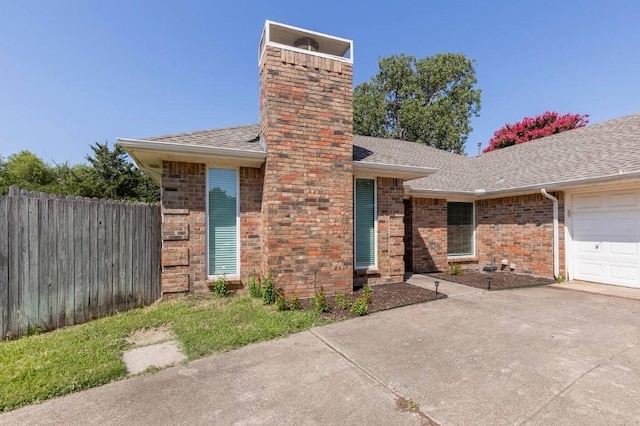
x=365 y=220
x=222 y=221
x=460 y=229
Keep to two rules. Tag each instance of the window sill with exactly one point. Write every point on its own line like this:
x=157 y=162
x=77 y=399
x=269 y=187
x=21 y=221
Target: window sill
x=462 y=259
x=367 y=271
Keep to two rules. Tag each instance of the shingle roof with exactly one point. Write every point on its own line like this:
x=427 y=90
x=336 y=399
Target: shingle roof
x=592 y=152
x=244 y=138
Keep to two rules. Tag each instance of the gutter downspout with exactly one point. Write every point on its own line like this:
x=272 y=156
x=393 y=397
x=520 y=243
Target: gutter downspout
x=556 y=249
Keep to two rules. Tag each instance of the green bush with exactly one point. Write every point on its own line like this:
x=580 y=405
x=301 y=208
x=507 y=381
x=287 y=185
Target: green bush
x=281 y=301
x=268 y=290
x=320 y=302
x=455 y=269
x=366 y=293
x=254 y=287
x=221 y=286
x=294 y=303
x=342 y=301
x=360 y=306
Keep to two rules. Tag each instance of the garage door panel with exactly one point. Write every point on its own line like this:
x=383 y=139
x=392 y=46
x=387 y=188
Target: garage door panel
x=606 y=237
x=589 y=269
x=626 y=273
x=624 y=248
x=587 y=202
x=628 y=199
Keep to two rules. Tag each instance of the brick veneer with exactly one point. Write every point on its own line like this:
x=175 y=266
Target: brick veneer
x=307 y=207
x=429 y=234
x=251 y=181
x=390 y=235
x=183 y=227
x=520 y=229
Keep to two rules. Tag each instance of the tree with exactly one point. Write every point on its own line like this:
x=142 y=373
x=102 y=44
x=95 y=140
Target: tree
x=109 y=175
x=28 y=171
x=429 y=100
x=540 y=126
x=112 y=175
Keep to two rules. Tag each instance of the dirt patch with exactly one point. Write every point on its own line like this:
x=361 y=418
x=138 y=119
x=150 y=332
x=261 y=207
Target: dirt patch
x=383 y=297
x=150 y=336
x=499 y=280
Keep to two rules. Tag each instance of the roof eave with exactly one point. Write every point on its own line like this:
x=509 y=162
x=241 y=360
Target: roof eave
x=149 y=155
x=549 y=186
x=391 y=170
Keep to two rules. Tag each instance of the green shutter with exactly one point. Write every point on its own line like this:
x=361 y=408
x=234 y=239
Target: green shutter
x=365 y=223
x=223 y=226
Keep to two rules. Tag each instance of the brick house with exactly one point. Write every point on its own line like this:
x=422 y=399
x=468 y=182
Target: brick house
x=300 y=195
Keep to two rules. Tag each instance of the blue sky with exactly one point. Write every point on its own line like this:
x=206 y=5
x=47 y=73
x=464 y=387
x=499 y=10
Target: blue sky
x=74 y=72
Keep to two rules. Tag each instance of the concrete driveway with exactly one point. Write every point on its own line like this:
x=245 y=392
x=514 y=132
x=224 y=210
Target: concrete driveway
x=529 y=356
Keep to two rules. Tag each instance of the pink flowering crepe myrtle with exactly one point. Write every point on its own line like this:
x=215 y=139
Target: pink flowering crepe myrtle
x=530 y=128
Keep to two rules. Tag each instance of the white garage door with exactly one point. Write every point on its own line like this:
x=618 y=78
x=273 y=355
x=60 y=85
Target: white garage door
x=606 y=237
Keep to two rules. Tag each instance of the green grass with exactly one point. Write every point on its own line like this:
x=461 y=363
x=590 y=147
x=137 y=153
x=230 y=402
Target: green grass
x=40 y=367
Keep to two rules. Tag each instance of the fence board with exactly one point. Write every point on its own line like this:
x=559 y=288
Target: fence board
x=4 y=269
x=52 y=257
x=70 y=293
x=65 y=261
x=42 y=238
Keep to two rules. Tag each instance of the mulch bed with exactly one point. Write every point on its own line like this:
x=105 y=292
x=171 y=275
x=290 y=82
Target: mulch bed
x=383 y=297
x=499 y=280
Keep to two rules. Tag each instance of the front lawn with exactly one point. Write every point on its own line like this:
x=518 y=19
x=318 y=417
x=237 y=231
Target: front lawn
x=40 y=367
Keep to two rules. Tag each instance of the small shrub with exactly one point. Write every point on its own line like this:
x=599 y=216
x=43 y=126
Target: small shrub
x=320 y=302
x=560 y=279
x=281 y=301
x=254 y=287
x=360 y=306
x=366 y=293
x=455 y=269
x=294 y=303
x=268 y=290
x=342 y=301
x=221 y=286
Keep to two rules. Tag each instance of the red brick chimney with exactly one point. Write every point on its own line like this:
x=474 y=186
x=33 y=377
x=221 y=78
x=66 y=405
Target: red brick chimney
x=306 y=124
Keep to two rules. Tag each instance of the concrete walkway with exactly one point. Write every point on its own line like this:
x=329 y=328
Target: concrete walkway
x=534 y=356
x=602 y=289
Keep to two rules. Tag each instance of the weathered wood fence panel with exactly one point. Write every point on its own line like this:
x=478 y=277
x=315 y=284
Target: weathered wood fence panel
x=67 y=260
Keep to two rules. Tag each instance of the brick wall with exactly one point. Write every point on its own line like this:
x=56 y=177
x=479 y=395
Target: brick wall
x=183 y=227
x=251 y=181
x=519 y=229
x=306 y=121
x=390 y=235
x=429 y=234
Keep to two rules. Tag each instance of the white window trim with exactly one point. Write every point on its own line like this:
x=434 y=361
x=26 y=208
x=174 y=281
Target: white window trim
x=375 y=224
x=473 y=236
x=237 y=169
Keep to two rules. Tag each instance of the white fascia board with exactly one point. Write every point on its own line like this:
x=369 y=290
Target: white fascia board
x=391 y=170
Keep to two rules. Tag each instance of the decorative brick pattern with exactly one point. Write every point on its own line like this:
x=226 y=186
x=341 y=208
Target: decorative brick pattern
x=429 y=234
x=183 y=227
x=307 y=208
x=520 y=229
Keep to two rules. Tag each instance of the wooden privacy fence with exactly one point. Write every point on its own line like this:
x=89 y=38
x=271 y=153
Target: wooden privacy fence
x=67 y=260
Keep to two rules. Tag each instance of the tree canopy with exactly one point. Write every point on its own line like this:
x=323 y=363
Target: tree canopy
x=429 y=100
x=109 y=174
x=546 y=124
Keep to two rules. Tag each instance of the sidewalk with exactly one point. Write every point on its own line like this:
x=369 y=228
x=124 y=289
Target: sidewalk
x=446 y=287
x=602 y=289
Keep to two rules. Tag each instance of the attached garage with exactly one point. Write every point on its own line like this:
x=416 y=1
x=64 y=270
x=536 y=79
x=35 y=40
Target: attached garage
x=605 y=232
